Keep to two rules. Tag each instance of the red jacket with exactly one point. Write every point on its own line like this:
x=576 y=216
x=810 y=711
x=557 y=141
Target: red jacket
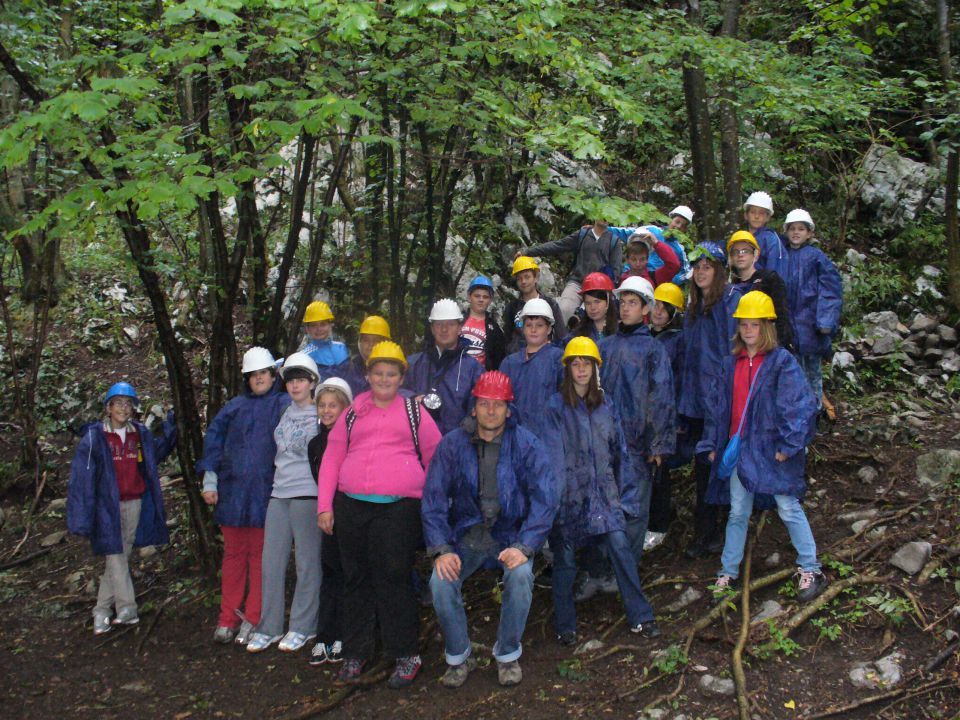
x=743 y=374
x=664 y=273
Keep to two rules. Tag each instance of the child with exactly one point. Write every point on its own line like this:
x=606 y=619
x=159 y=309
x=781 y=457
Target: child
x=666 y=325
x=487 y=342
x=598 y=489
x=654 y=262
x=639 y=382
x=535 y=371
x=600 y=310
x=332 y=397
x=114 y=498
x=326 y=352
x=764 y=401
x=814 y=296
x=237 y=469
x=374 y=329
x=757 y=211
x=680 y=218
x=705 y=344
x=526 y=274
x=639 y=247
x=292 y=518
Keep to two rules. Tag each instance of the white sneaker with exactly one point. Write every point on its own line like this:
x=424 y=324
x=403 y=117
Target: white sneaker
x=293 y=641
x=335 y=652
x=243 y=634
x=101 y=624
x=652 y=540
x=259 y=642
x=127 y=616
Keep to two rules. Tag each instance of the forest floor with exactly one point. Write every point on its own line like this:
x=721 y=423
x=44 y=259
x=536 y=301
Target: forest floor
x=168 y=667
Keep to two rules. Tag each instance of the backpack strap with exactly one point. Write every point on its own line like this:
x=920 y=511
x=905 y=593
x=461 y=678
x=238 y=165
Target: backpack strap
x=350 y=419
x=413 y=417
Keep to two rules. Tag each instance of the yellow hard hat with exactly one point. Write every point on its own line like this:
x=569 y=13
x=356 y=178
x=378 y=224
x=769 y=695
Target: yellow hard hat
x=387 y=350
x=669 y=293
x=755 y=305
x=581 y=347
x=524 y=263
x=317 y=311
x=375 y=325
x=742 y=236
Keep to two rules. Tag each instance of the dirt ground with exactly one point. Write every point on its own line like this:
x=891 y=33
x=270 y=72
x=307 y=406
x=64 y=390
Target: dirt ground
x=168 y=667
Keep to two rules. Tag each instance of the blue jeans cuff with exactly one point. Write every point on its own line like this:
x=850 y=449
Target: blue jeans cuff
x=508 y=657
x=460 y=658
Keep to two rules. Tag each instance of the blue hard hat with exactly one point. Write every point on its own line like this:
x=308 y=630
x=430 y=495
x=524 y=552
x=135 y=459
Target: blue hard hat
x=710 y=250
x=480 y=281
x=121 y=389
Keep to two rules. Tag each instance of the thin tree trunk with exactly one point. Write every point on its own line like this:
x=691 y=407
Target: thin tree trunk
x=730 y=131
x=953 y=160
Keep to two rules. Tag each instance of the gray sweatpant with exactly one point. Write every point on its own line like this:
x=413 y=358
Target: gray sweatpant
x=116 y=585
x=291 y=522
x=569 y=300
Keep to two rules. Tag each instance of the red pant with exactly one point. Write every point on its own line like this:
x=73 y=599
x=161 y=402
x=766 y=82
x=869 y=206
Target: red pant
x=242 y=554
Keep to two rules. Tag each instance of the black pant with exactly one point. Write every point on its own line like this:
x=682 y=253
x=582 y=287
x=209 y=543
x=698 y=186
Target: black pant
x=330 y=618
x=706 y=528
x=661 y=511
x=377 y=545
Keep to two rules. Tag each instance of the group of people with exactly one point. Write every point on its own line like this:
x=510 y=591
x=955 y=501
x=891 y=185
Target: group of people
x=555 y=433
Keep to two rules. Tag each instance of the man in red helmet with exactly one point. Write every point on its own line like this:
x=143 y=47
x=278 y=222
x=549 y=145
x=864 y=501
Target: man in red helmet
x=490 y=496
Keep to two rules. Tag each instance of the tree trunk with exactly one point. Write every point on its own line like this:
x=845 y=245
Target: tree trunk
x=730 y=132
x=953 y=160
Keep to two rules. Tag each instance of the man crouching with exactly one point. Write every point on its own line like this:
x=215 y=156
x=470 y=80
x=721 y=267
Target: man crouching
x=490 y=494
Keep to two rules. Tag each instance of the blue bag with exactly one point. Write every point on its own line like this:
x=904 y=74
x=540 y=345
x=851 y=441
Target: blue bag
x=731 y=453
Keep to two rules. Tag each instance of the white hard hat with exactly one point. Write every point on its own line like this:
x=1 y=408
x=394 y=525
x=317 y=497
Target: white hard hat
x=683 y=211
x=760 y=199
x=445 y=309
x=335 y=383
x=300 y=360
x=798 y=215
x=637 y=285
x=538 y=307
x=256 y=358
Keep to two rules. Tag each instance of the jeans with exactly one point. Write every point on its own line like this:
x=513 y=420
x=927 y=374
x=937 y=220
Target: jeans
x=595 y=558
x=812 y=369
x=448 y=603
x=635 y=603
x=788 y=507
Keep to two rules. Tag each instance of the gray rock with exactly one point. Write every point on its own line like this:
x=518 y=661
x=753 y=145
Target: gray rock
x=769 y=610
x=912 y=557
x=842 y=360
x=652 y=714
x=57 y=504
x=53 y=538
x=902 y=330
x=949 y=365
x=923 y=323
x=717 y=686
x=589 y=646
x=855 y=258
x=867 y=474
x=132 y=332
x=938 y=467
x=876 y=533
x=859 y=525
x=911 y=349
x=855 y=515
x=947 y=334
x=916 y=422
x=73 y=582
x=772 y=560
x=933 y=355
x=687 y=597
x=931 y=271
x=148 y=552
x=885 y=344
x=885 y=672
x=90 y=588
x=925 y=286
x=931 y=341
x=883 y=320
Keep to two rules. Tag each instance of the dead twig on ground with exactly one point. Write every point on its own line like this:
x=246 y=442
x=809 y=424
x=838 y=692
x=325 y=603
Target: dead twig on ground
x=29 y=520
x=612 y=650
x=739 y=677
x=879 y=697
x=376 y=674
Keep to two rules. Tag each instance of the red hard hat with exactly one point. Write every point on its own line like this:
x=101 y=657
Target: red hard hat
x=596 y=281
x=494 y=385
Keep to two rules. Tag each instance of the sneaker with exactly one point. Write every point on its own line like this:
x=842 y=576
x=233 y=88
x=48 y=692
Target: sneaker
x=127 y=616
x=810 y=583
x=723 y=587
x=509 y=673
x=567 y=639
x=335 y=652
x=350 y=672
x=101 y=624
x=648 y=629
x=608 y=584
x=456 y=675
x=318 y=656
x=224 y=635
x=404 y=672
x=259 y=642
x=652 y=540
x=293 y=641
x=244 y=633
x=585 y=588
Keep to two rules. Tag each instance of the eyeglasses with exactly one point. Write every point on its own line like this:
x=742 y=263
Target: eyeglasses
x=743 y=251
x=122 y=402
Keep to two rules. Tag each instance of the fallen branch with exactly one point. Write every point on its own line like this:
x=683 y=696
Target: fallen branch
x=27 y=558
x=29 y=520
x=838 y=709
x=375 y=675
x=739 y=677
x=940 y=658
x=612 y=650
x=152 y=624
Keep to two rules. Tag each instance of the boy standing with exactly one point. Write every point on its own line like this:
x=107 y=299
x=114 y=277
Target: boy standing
x=757 y=211
x=326 y=352
x=526 y=273
x=487 y=343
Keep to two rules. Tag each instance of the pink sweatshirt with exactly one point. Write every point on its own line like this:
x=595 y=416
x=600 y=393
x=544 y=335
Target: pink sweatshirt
x=381 y=459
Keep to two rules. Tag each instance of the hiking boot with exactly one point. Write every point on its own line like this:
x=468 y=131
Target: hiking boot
x=456 y=675
x=648 y=629
x=585 y=588
x=293 y=641
x=723 y=587
x=509 y=673
x=810 y=583
x=224 y=635
x=567 y=639
x=404 y=672
x=259 y=642
x=101 y=624
x=243 y=634
x=652 y=540
x=350 y=672
x=318 y=655
x=127 y=616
